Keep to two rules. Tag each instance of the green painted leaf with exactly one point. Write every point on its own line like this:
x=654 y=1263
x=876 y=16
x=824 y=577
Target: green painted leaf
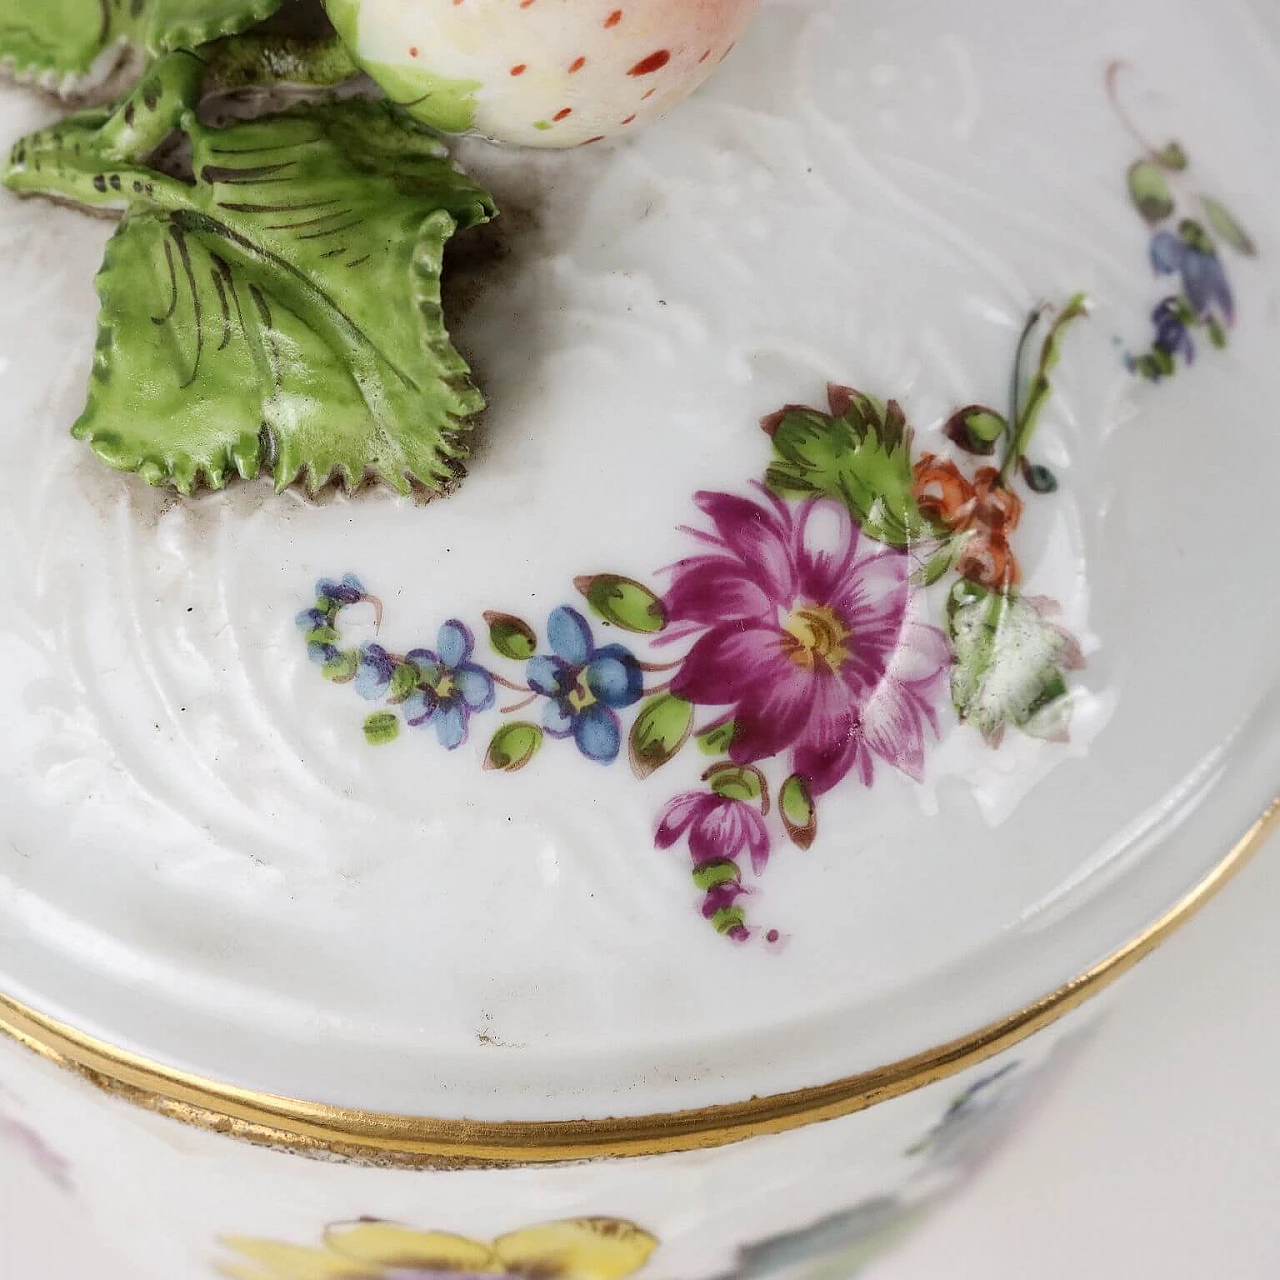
x=381 y=727
x=64 y=38
x=736 y=782
x=343 y=668
x=660 y=731
x=717 y=740
x=1194 y=234
x=1154 y=364
x=511 y=637
x=975 y=428
x=1223 y=221
x=1172 y=156
x=937 y=564
x=728 y=918
x=404 y=680
x=1149 y=191
x=623 y=602
x=710 y=875
x=799 y=814
x=283 y=311
x=513 y=746
x=861 y=457
x=1010 y=664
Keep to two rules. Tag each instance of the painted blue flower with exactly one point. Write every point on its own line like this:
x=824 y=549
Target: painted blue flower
x=1190 y=254
x=448 y=690
x=373 y=675
x=584 y=686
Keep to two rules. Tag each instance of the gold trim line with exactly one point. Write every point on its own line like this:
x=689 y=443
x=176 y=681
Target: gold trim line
x=379 y=1138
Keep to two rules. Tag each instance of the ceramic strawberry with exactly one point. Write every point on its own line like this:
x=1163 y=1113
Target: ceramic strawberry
x=546 y=73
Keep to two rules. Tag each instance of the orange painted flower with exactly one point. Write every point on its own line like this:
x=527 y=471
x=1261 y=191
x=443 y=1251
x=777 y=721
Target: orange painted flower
x=983 y=510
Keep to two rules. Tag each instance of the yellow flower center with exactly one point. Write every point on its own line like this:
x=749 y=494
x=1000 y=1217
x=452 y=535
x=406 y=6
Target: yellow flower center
x=814 y=634
x=580 y=697
x=445 y=686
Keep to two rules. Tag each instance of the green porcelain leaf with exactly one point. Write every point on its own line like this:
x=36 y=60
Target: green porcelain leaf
x=861 y=457
x=64 y=38
x=282 y=312
x=1010 y=664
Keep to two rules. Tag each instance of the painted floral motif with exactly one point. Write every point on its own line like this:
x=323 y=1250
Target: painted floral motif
x=577 y=1249
x=584 y=686
x=836 y=1247
x=809 y=633
x=804 y=654
x=1186 y=230
x=976 y=1120
x=840 y=1245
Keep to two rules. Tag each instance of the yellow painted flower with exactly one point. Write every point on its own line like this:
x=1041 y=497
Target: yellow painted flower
x=578 y=1249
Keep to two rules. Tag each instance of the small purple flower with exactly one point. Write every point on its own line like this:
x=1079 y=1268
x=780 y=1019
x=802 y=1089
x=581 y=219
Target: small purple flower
x=448 y=689
x=317 y=623
x=584 y=686
x=719 y=828
x=348 y=591
x=1173 y=335
x=1190 y=254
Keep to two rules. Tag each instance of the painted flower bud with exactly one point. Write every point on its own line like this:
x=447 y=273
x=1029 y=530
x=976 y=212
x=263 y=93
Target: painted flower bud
x=543 y=73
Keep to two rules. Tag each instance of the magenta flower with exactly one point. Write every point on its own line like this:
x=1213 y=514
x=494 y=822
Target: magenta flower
x=719 y=828
x=805 y=633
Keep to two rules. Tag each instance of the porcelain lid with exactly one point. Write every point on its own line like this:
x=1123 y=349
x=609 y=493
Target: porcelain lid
x=214 y=856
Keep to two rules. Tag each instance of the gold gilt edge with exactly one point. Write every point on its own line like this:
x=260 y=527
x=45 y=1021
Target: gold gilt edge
x=409 y=1141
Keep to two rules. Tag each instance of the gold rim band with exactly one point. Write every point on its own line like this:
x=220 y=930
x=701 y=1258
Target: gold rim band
x=374 y=1137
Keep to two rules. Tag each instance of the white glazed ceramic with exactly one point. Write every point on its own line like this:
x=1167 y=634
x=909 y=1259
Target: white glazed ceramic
x=206 y=865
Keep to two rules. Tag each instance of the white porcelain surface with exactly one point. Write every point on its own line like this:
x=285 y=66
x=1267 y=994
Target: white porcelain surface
x=203 y=860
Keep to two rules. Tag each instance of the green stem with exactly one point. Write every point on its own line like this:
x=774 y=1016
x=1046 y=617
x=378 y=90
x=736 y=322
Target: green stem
x=1041 y=387
x=1019 y=362
x=97 y=158
x=1113 y=95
